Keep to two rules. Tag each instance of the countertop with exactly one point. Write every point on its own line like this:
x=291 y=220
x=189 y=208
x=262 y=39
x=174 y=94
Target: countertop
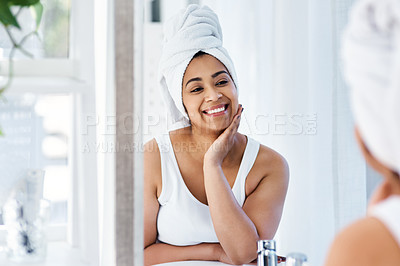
x=203 y=263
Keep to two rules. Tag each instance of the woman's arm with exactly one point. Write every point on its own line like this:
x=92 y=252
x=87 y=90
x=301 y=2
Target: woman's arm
x=238 y=229
x=152 y=183
x=162 y=253
x=236 y=232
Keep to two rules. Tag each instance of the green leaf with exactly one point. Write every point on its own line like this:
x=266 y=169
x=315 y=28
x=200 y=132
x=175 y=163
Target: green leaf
x=23 y=2
x=6 y=17
x=1 y=133
x=37 y=12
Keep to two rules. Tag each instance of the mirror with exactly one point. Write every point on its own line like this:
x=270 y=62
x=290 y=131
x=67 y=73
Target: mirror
x=287 y=58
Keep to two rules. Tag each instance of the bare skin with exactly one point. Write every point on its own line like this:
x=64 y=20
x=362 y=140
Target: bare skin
x=209 y=172
x=368 y=242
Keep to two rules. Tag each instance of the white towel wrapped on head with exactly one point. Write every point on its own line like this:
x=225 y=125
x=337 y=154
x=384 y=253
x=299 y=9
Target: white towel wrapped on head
x=192 y=30
x=371 y=54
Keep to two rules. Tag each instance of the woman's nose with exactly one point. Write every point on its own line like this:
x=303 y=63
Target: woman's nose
x=212 y=94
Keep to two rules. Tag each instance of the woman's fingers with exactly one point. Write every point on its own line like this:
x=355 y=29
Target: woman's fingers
x=236 y=119
x=221 y=146
x=233 y=127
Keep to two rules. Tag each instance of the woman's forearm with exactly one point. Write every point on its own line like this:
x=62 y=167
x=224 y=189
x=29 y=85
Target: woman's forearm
x=162 y=253
x=236 y=232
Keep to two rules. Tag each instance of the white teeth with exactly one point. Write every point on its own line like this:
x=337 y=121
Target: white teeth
x=216 y=110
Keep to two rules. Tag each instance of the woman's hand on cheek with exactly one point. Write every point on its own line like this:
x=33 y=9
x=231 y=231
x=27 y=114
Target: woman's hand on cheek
x=223 y=144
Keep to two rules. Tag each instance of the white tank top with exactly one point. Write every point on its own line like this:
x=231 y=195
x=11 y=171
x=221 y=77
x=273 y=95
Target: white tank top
x=182 y=219
x=388 y=212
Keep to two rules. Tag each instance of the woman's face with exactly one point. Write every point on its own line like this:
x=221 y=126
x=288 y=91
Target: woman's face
x=209 y=94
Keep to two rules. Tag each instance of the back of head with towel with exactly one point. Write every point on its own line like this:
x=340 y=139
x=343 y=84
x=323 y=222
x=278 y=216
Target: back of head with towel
x=371 y=54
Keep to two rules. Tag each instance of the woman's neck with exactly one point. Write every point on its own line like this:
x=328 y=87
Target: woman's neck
x=199 y=141
x=204 y=135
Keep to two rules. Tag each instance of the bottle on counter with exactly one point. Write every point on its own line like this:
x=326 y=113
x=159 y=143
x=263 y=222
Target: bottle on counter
x=296 y=259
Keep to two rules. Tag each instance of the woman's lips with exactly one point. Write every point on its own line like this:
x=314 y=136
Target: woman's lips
x=216 y=110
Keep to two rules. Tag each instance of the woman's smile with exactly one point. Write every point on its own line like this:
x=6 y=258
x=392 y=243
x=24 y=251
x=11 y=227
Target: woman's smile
x=216 y=110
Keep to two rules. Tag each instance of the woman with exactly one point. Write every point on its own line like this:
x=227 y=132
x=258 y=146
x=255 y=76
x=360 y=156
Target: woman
x=210 y=192
x=371 y=57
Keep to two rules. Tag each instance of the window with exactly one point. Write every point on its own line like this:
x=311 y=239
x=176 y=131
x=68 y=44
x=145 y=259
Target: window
x=51 y=95
x=36 y=134
x=53 y=31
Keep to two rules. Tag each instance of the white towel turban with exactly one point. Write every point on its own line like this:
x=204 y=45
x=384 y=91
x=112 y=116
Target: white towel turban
x=371 y=53
x=190 y=31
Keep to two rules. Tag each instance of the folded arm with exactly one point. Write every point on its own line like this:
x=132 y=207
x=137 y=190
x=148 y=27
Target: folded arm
x=162 y=253
x=238 y=229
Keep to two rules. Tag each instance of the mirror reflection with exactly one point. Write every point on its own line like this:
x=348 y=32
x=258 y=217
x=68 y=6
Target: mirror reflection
x=289 y=81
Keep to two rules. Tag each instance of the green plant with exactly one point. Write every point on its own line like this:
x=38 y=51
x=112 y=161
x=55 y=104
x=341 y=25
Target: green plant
x=9 y=12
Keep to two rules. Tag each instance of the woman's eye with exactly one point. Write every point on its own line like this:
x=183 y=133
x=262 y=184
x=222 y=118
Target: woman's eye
x=197 y=89
x=222 y=82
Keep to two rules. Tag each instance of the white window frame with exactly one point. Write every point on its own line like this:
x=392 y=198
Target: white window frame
x=75 y=76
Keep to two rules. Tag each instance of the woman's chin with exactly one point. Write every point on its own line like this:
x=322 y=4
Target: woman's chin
x=214 y=129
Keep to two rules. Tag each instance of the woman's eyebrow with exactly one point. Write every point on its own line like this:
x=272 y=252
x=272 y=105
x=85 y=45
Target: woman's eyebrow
x=193 y=79
x=213 y=76
x=219 y=73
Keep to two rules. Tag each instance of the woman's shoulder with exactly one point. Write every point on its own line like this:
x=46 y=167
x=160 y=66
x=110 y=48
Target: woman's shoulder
x=269 y=166
x=274 y=160
x=151 y=147
x=365 y=242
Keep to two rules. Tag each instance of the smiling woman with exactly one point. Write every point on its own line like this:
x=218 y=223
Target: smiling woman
x=209 y=93
x=203 y=172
